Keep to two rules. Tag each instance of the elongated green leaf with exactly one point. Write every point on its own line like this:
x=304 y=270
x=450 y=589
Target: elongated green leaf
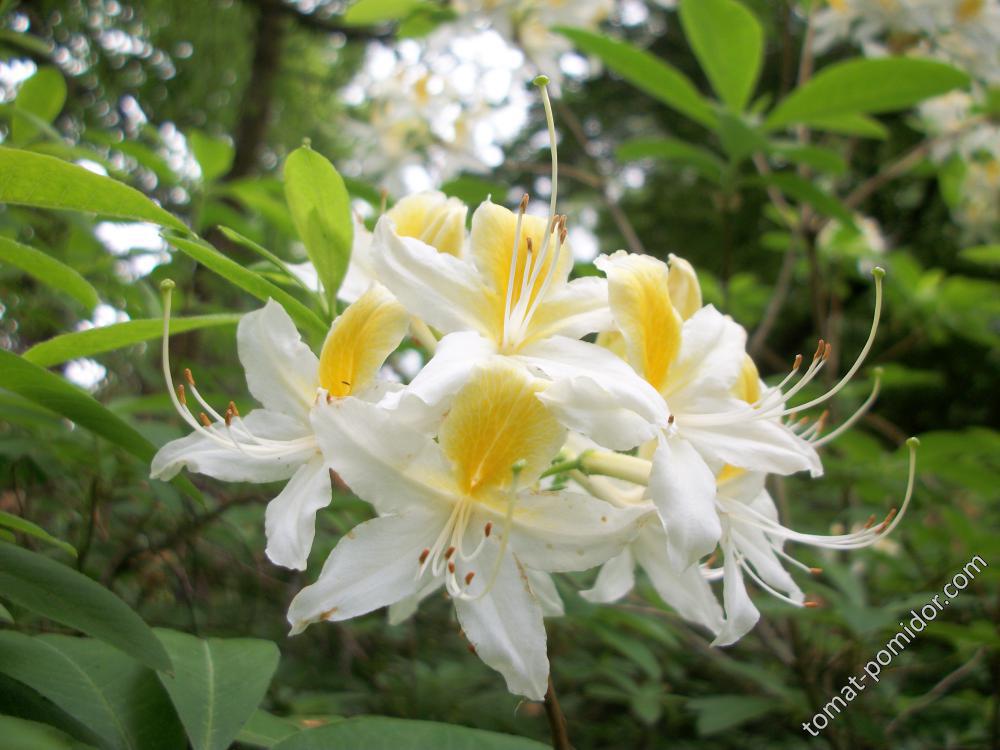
x=265 y=730
x=704 y=161
x=10 y=521
x=400 y=734
x=321 y=210
x=728 y=41
x=249 y=244
x=30 y=735
x=718 y=713
x=52 y=590
x=32 y=179
x=866 y=86
x=646 y=72
x=5 y=616
x=817 y=157
x=214 y=155
x=250 y=282
x=985 y=255
x=217 y=684
x=849 y=124
x=43 y=96
x=116 y=698
x=804 y=191
x=369 y=12
x=49 y=271
x=108 y=338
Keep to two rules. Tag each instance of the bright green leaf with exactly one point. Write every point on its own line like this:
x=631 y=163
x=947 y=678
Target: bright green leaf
x=69 y=346
x=48 y=270
x=265 y=730
x=866 y=86
x=30 y=735
x=804 y=191
x=23 y=525
x=728 y=41
x=214 y=155
x=53 y=590
x=43 y=95
x=849 y=124
x=399 y=734
x=984 y=255
x=115 y=697
x=704 y=161
x=370 y=12
x=817 y=157
x=217 y=684
x=250 y=282
x=32 y=179
x=739 y=138
x=646 y=72
x=321 y=210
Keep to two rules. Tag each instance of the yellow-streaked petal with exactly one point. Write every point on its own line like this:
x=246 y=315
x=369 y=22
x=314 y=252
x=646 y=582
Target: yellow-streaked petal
x=359 y=341
x=685 y=291
x=495 y=421
x=729 y=473
x=614 y=342
x=638 y=291
x=432 y=218
x=492 y=244
x=747 y=385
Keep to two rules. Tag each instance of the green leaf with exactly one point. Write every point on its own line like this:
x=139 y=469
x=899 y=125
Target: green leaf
x=30 y=735
x=984 y=255
x=5 y=616
x=473 y=190
x=265 y=730
x=849 y=124
x=646 y=72
x=217 y=684
x=739 y=138
x=804 y=191
x=370 y=12
x=399 y=734
x=53 y=590
x=866 y=86
x=321 y=210
x=817 y=157
x=31 y=179
x=214 y=155
x=720 y=712
x=728 y=41
x=249 y=244
x=706 y=163
x=23 y=525
x=48 y=270
x=250 y=282
x=115 y=697
x=69 y=346
x=43 y=95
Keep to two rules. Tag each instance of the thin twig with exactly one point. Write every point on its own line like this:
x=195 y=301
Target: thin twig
x=942 y=687
x=557 y=722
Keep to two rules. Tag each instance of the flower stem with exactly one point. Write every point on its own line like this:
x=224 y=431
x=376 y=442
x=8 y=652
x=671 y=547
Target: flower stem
x=557 y=722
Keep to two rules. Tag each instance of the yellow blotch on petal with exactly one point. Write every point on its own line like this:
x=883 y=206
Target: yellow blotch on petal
x=969 y=10
x=747 y=386
x=639 y=295
x=728 y=473
x=496 y=421
x=685 y=291
x=359 y=341
x=432 y=218
x=614 y=342
x=491 y=244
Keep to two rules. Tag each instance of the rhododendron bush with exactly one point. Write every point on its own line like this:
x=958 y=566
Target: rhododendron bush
x=419 y=374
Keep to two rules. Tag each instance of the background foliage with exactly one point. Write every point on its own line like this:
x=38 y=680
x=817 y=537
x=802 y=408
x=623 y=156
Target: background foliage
x=125 y=85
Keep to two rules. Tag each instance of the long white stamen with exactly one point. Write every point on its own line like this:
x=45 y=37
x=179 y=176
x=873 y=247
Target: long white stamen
x=852 y=420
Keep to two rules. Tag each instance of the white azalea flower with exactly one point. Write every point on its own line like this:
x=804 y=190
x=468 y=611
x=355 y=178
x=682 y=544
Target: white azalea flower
x=277 y=442
x=463 y=513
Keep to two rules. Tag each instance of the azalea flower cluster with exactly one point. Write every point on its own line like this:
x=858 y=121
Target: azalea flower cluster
x=963 y=33
x=521 y=449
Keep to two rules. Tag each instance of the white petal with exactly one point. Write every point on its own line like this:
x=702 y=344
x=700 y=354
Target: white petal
x=360 y=272
x=441 y=289
x=741 y=614
x=687 y=592
x=405 y=608
x=565 y=531
x=596 y=393
x=281 y=370
x=372 y=566
x=388 y=464
x=615 y=579
x=573 y=310
x=225 y=461
x=505 y=627
x=756 y=444
x=710 y=358
x=290 y=519
x=756 y=548
x=683 y=489
x=544 y=588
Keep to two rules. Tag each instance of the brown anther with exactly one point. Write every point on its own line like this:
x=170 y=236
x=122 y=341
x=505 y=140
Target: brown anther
x=448 y=553
x=810 y=604
x=524 y=203
x=815 y=571
x=530 y=244
x=819 y=349
x=887 y=521
x=469 y=576
x=181 y=395
x=472 y=649
x=562 y=235
x=488 y=528
x=233 y=409
x=423 y=556
x=798 y=362
x=670 y=419
x=870 y=522
x=188 y=376
x=451 y=567
x=204 y=419
x=229 y=417
x=826 y=351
